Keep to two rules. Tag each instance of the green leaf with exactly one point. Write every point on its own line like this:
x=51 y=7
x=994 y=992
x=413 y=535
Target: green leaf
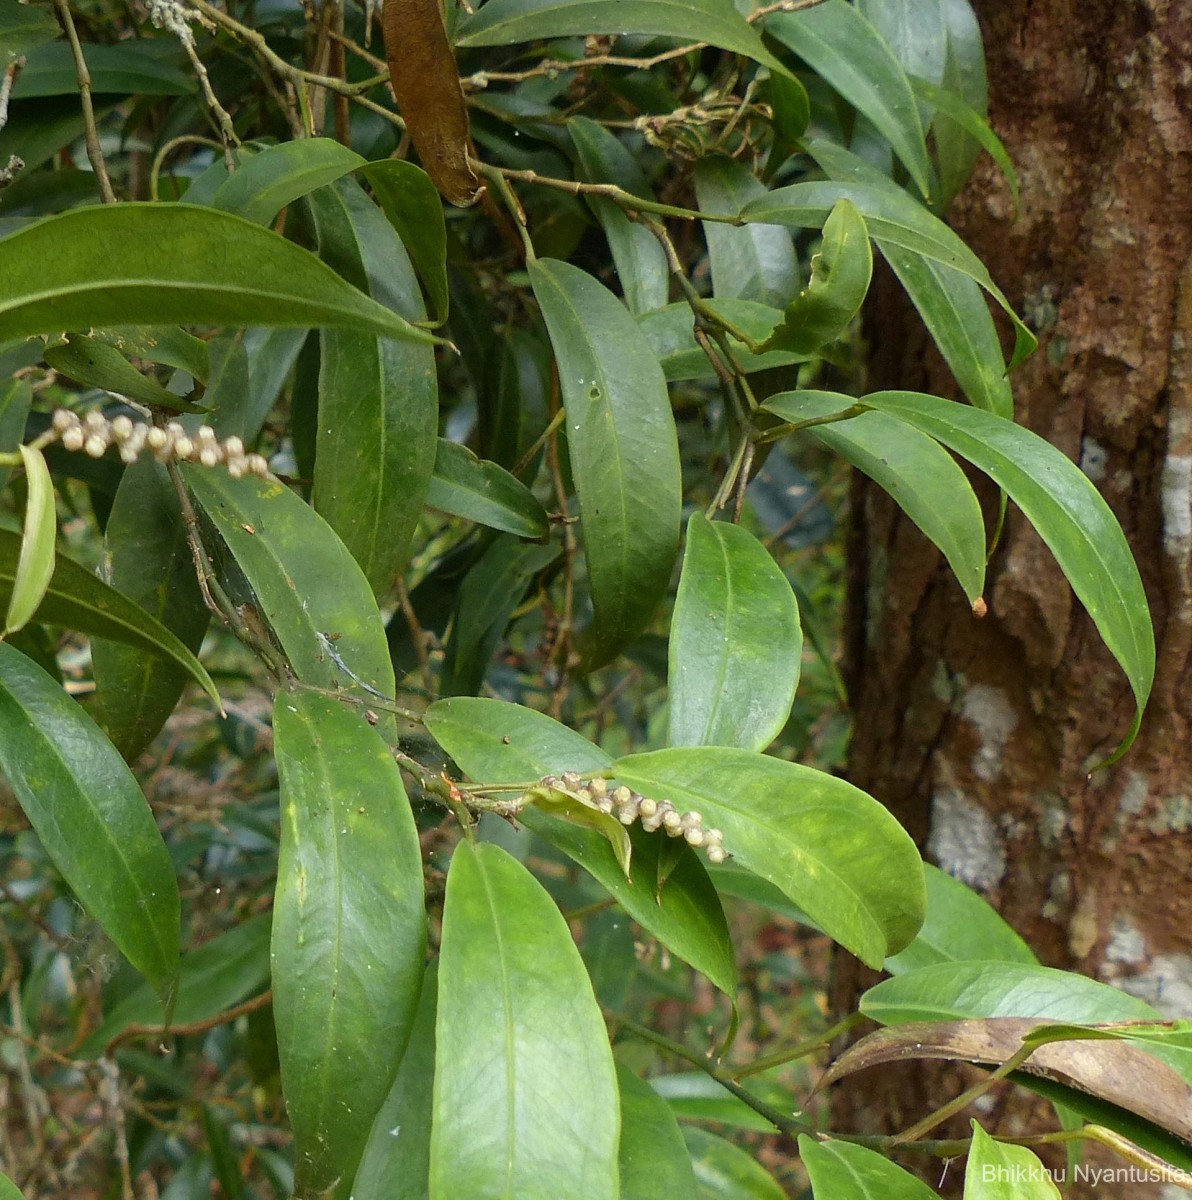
x=161 y=344
x=923 y=478
x=220 y=974
x=90 y=816
x=396 y=1161
x=126 y=69
x=894 y=217
x=836 y=852
x=717 y=22
x=1069 y=514
x=16 y=398
x=696 y=1096
x=997 y=1171
x=844 y=49
x=654 y=1161
x=623 y=448
x=670 y=333
x=914 y=31
x=251 y=366
x=843 y=1171
x=495 y=742
x=637 y=253
x=960 y=926
x=349 y=933
x=495 y=585
x=378 y=398
x=301 y=581
x=840 y=275
x=96 y=364
x=148 y=559
x=77 y=600
x=9 y=1190
x=281 y=174
x=963 y=74
x=749 y=262
x=412 y=205
x=726 y=1172
x=525 y=1096
x=735 y=645
x=466 y=486
x=35 y=563
x=181 y=264
x=24 y=27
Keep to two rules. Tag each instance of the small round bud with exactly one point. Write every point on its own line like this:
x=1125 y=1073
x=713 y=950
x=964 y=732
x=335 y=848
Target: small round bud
x=549 y=781
x=206 y=434
x=236 y=468
x=175 y=428
x=716 y=854
x=74 y=437
x=647 y=806
x=122 y=428
x=95 y=445
x=257 y=465
x=622 y=794
x=695 y=837
x=572 y=780
x=713 y=837
x=672 y=823
x=598 y=786
x=209 y=456
x=128 y=454
x=96 y=422
x=156 y=438
x=63 y=419
x=183 y=447
x=691 y=820
x=604 y=803
x=233 y=447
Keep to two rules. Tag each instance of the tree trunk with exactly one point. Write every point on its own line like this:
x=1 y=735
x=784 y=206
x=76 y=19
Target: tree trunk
x=979 y=734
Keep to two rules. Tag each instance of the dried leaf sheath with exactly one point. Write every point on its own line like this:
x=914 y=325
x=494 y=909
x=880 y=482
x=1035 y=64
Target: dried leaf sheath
x=426 y=84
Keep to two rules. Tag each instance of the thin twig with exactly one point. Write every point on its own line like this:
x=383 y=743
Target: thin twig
x=160 y=1031
x=91 y=133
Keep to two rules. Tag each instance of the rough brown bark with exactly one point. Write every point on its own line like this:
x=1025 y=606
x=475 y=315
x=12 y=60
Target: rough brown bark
x=979 y=734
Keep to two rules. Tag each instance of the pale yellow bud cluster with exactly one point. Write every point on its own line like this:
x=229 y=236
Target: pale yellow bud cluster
x=94 y=434
x=629 y=806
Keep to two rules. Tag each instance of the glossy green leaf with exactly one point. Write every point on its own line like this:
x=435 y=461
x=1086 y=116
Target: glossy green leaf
x=670 y=333
x=521 y=411
x=892 y=216
x=836 y=852
x=843 y=48
x=9 y=1190
x=964 y=75
x=525 y=1095
x=637 y=253
x=220 y=974
x=24 y=27
x=749 y=262
x=494 y=586
x=378 y=398
x=495 y=742
x=696 y=1096
x=97 y=364
x=90 y=816
x=922 y=477
x=960 y=926
x=412 y=205
x=998 y=1171
x=623 y=448
x=281 y=174
x=1069 y=514
x=301 y=581
x=950 y=303
x=396 y=1161
x=77 y=600
x=35 y=563
x=726 y=1172
x=16 y=398
x=843 y=1171
x=914 y=31
x=224 y=1159
x=349 y=933
x=466 y=486
x=251 y=372
x=148 y=559
x=181 y=264
x=126 y=69
x=735 y=644
x=161 y=344
x=654 y=1161
x=717 y=22
x=840 y=275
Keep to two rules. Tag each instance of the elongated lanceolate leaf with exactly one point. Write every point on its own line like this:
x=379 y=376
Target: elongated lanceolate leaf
x=717 y=22
x=481 y=491
x=349 y=933
x=892 y=216
x=724 y=1171
x=303 y=584
x=16 y=399
x=842 y=1171
x=179 y=264
x=833 y=850
x=525 y=1099
x=655 y=1164
x=77 y=600
x=736 y=643
x=90 y=361
x=922 y=477
x=23 y=27
x=90 y=816
x=748 y=262
x=281 y=174
x=1069 y=514
x=623 y=447
x=35 y=563
x=997 y=1171
x=637 y=253
x=495 y=742
x=848 y=52
x=9 y=1190
x=127 y=69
